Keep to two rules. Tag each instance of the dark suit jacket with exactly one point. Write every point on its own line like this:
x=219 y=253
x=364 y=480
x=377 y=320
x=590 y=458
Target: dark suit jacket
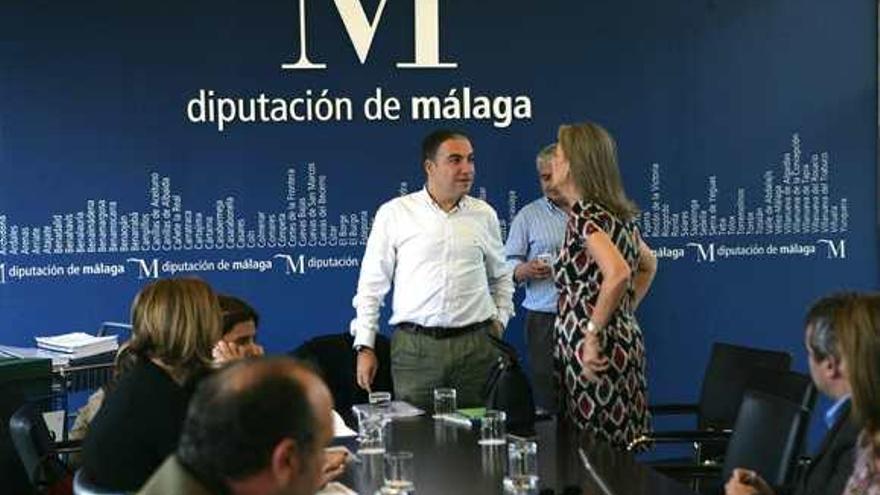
x=833 y=462
x=136 y=428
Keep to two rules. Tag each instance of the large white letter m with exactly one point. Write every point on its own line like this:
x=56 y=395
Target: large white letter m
x=361 y=31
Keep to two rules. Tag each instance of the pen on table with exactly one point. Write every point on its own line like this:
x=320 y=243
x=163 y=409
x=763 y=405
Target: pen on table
x=457 y=419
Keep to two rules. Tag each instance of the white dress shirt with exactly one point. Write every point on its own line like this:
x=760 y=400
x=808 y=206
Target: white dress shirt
x=448 y=268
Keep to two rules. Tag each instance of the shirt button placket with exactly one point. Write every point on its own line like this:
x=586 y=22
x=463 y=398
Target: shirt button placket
x=445 y=269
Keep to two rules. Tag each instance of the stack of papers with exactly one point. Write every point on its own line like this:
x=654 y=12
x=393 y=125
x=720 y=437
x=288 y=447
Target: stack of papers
x=59 y=359
x=78 y=344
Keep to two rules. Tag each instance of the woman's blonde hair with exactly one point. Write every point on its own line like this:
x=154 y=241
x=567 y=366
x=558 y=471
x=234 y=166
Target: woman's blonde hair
x=591 y=151
x=858 y=333
x=176 y=321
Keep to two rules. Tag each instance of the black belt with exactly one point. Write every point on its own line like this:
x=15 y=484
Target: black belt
x=442 y=332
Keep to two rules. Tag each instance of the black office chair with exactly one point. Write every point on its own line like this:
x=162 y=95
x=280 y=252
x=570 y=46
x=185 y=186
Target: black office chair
x=15 y=479
x=795 y=387
x=792 y=385
x=336 y=361
x=37 y=450
x=767 y=437
x=724 y=382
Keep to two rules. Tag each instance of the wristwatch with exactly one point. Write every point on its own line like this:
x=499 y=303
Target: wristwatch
x=359 y=348
x=592 y=328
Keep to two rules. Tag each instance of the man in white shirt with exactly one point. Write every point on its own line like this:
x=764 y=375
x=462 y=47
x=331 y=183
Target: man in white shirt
x=442 y=251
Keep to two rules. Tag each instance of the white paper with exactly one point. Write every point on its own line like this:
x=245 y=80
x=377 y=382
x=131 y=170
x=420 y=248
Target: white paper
x=55 y=423
x=397 y=409
x=79 y=344
x=340 y=429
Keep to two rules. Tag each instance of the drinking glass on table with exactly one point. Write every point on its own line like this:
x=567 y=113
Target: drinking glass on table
x=371 y=430
x=381 y=400
x=399 y=473
x=444 y=401
x=522 y=467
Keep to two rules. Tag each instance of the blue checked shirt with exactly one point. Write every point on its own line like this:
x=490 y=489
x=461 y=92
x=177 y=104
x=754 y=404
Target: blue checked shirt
x=538 y=228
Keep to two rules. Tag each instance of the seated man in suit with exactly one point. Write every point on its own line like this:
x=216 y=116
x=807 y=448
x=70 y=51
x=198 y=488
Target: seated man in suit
x=257 y=427
x=833 y=462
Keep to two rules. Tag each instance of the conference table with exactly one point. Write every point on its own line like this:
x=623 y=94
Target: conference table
x=448 y=460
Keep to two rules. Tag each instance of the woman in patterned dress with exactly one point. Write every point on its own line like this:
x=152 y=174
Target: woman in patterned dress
x=859 y=337
x=603 y=272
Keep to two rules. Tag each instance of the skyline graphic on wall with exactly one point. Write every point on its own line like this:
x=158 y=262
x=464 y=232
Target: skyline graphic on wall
x=794 y=199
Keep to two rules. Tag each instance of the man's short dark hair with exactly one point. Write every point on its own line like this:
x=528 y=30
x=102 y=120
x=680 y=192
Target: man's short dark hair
x=231 y=431
x=433 y=141
x=821 y=317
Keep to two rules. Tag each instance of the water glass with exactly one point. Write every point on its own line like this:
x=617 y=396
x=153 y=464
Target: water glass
x=522 y=467
x=444 y=401
x=546 y=258
x=371 y=430
x=399 y=472
x=370 y=473
x=492 y=429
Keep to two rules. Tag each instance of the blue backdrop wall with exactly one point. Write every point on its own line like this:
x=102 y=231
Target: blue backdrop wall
x=190 y=138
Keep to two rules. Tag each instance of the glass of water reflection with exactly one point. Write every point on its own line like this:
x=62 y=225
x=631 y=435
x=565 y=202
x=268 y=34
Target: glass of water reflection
x=492 y=428
x=399 y=473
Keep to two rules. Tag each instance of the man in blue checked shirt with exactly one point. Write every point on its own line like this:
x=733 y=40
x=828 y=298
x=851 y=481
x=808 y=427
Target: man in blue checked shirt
x=535 y=238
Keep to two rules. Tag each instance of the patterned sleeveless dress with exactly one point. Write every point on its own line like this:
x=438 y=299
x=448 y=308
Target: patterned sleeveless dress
x=614 y=408
x=865 y=478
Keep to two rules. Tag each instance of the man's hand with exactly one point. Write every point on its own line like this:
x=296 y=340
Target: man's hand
x=367 y=365
x=746 y=482
x=226 y=352
x=334 y=465
x=497 y=329
x=532 y=270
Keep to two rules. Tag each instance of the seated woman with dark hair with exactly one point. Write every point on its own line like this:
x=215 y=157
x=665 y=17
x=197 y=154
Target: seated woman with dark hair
x=240 y=323
x=176 y=323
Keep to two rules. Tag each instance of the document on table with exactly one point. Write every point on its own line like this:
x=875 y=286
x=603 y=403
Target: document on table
x=340 y=429
x=397 y=409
